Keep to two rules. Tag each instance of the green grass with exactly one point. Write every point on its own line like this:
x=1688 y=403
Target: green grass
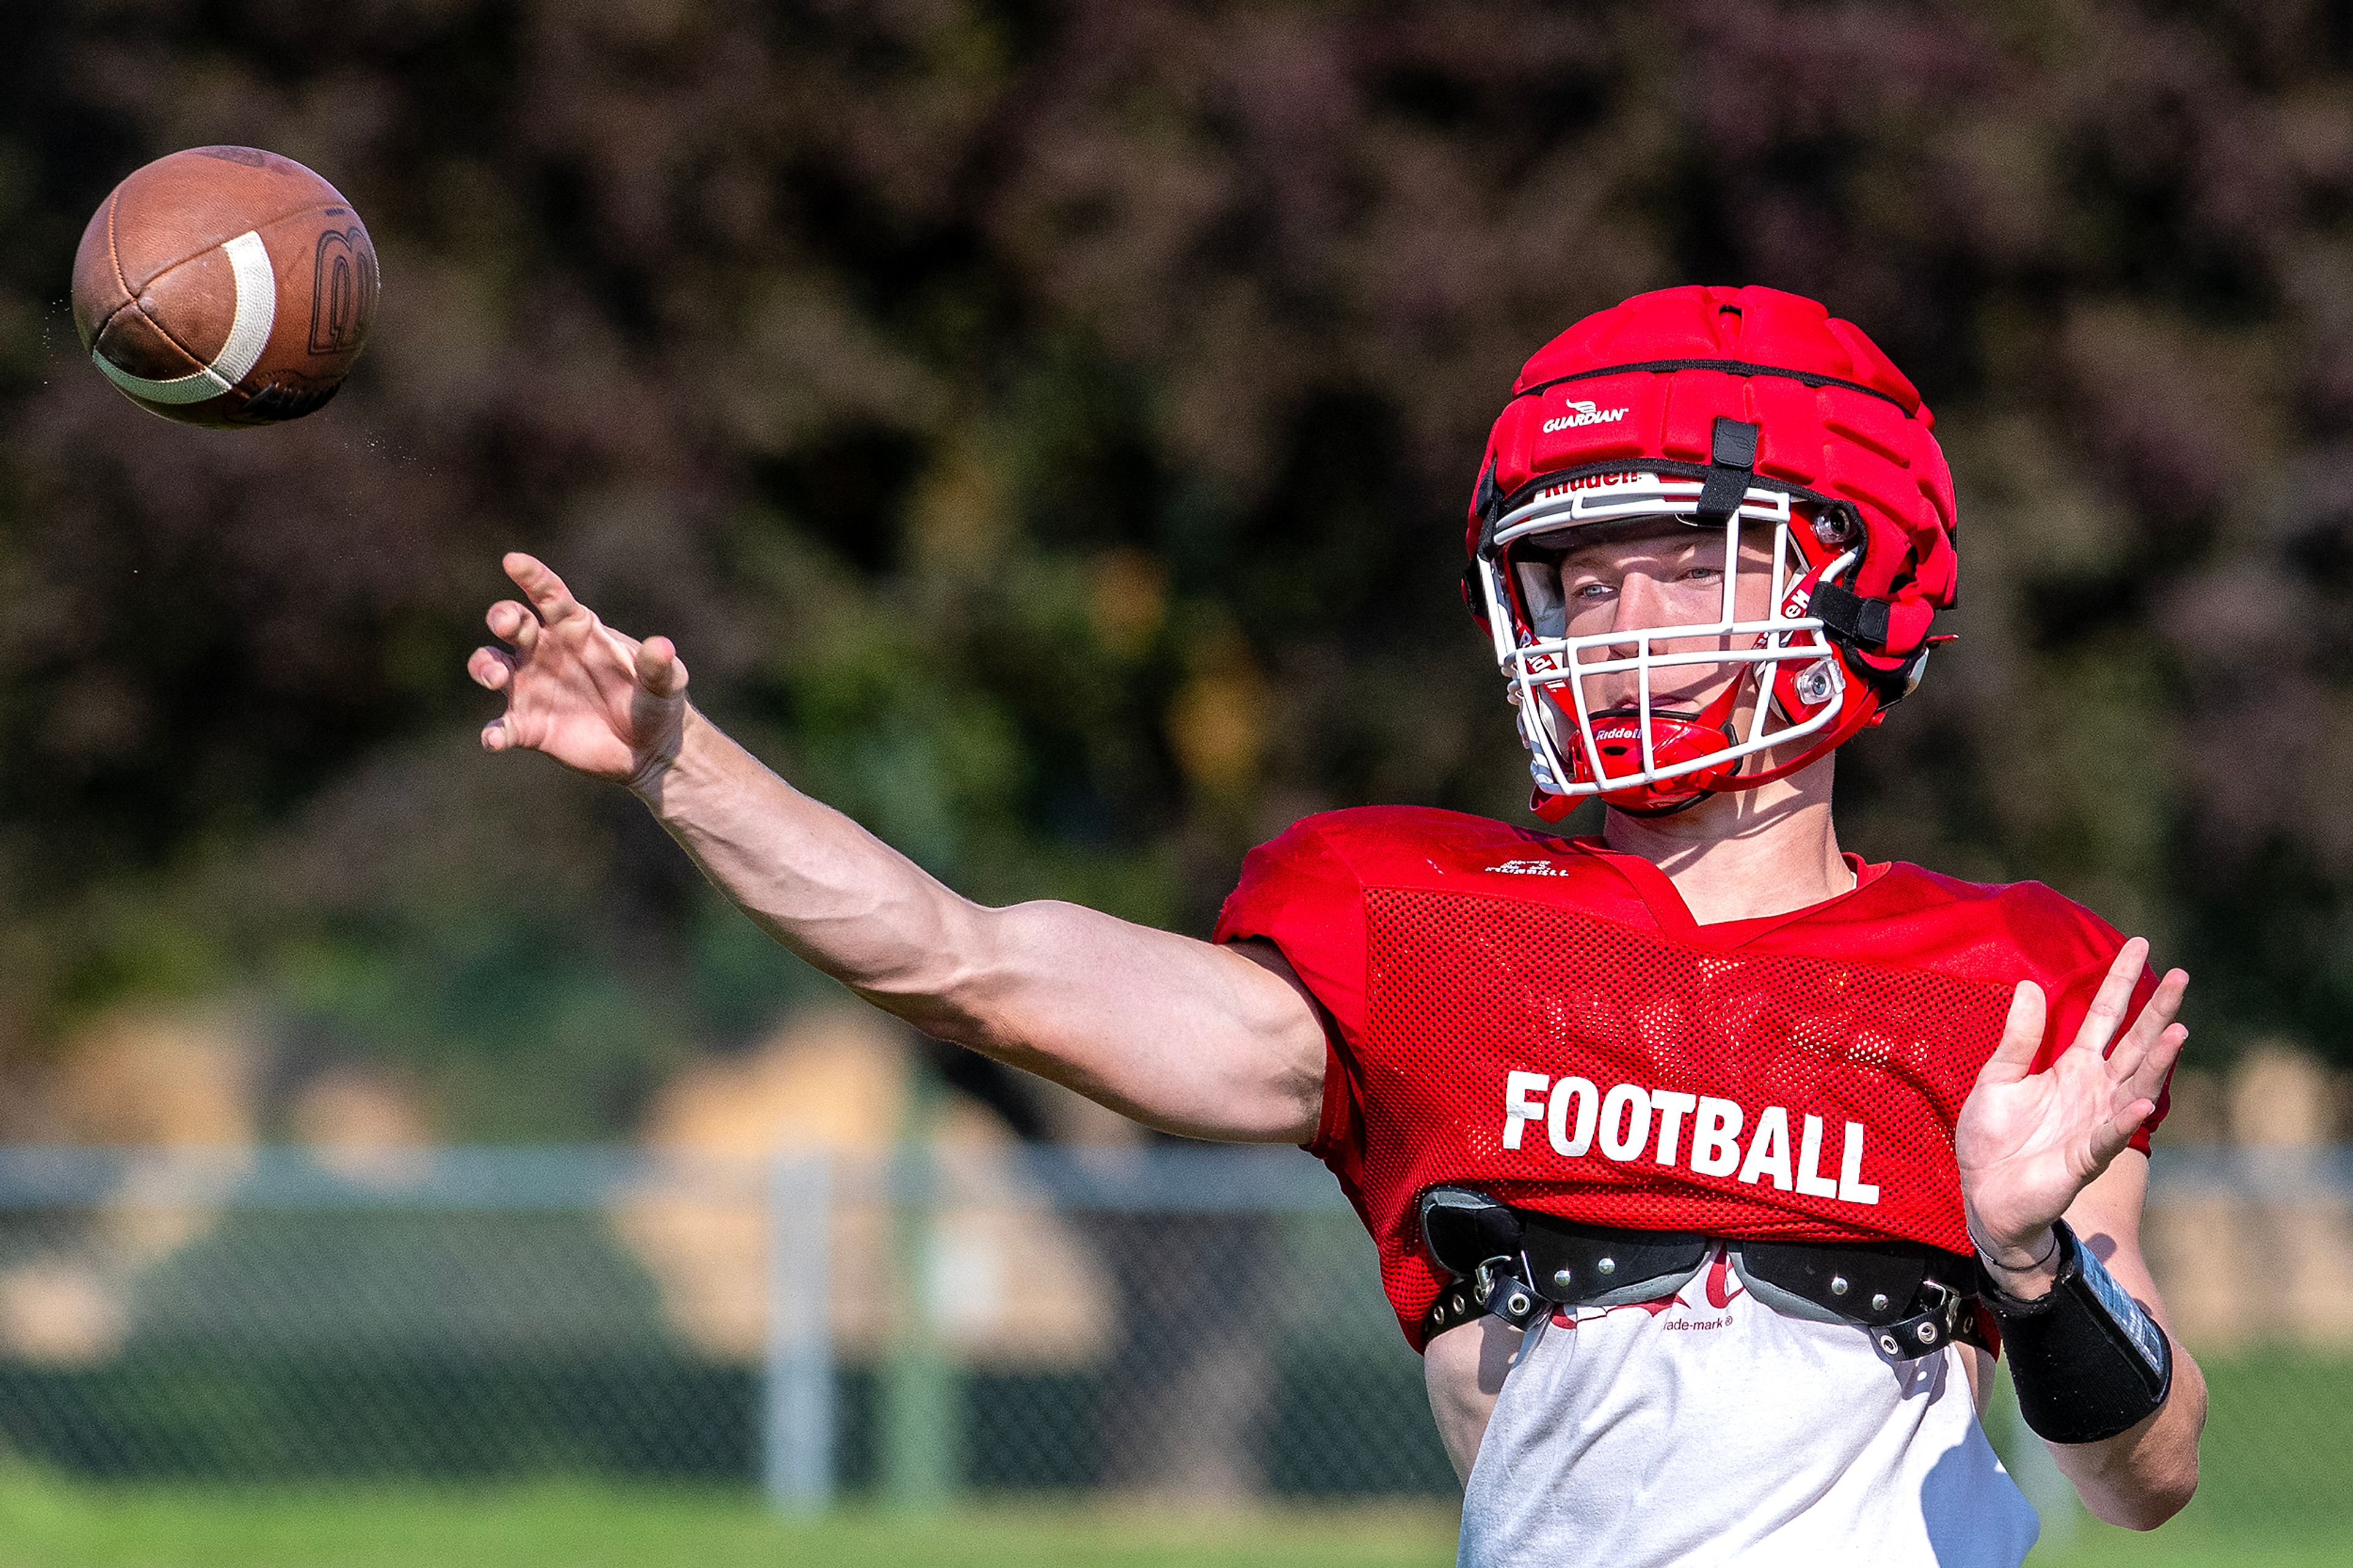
x=2188 y=1543
x=45 y=1525
x=2276 y=1473
x=2277 y=1492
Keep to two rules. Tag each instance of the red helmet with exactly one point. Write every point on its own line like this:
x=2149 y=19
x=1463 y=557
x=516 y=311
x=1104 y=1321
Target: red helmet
x=1724 y=409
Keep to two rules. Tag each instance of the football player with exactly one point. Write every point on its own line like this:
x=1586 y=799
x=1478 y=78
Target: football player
x=1709 y=1165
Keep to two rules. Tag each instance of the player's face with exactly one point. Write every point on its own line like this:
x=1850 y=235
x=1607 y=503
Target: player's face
x=1672 y=576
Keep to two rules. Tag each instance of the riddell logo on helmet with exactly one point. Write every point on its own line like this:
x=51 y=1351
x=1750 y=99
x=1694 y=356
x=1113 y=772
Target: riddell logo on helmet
x=1583 y=412
x=1598 y=483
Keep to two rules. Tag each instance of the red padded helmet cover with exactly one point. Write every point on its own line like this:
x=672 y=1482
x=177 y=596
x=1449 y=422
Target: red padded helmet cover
x=1834 y=416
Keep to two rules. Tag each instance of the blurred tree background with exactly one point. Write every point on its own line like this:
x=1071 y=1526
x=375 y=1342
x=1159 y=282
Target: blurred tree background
x=1045 y=428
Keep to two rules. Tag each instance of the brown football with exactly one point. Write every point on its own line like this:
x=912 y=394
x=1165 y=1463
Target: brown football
x=225 y=286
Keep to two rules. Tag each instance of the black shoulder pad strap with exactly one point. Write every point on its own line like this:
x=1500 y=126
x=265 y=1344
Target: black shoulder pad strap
x=1732 y=464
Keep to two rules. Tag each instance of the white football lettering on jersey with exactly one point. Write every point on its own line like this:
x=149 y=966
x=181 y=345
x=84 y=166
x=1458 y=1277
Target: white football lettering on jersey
x=1811 y=1181
x=1852 y=1188
x=1587 y=1100
x=1769 y=1151
x=1576 y=1111
x=1530 y=869
x=1715 y=1146
x=1630 y=1104
x=1519 y=1106
x=1672 y=1107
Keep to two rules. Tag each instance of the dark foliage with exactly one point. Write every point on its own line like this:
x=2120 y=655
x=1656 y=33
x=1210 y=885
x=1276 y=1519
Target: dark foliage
x=1045 y=428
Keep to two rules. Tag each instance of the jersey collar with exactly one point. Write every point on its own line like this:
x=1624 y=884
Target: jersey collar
x=1673 y=917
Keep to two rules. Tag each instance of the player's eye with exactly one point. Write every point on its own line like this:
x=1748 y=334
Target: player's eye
x=1590 y=592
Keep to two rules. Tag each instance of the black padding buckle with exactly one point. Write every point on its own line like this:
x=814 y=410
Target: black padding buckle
x=1479 y=1241
x=1890 y=1287
x=1732 y=463
x=1925 y=1332
x=1492 y=1288
x=1502 y=1291
x=1518 y=1265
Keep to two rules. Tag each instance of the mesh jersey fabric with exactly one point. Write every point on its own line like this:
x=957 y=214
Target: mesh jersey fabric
x=1541 y=1017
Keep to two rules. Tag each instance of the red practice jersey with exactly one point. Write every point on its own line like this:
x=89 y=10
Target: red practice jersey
x=1540 y=1018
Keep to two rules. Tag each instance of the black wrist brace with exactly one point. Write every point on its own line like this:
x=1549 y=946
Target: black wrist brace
x=2087 y=1360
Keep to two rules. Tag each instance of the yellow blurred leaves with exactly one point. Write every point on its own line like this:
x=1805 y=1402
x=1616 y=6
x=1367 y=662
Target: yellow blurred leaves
x=957 y=513
x=1218 y=723
x=1128 y=601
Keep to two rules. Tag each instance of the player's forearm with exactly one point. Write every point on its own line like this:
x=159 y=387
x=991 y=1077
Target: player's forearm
x=2144 y=1476
x=824 y=886
x=1224 y=1048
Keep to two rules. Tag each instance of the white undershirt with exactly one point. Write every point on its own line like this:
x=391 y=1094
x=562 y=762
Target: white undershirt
x=1719 y=1431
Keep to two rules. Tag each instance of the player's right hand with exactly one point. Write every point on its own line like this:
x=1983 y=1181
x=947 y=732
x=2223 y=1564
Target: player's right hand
x=598 y=701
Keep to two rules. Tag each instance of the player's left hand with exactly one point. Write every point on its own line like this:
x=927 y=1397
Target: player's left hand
x=2027 y=1143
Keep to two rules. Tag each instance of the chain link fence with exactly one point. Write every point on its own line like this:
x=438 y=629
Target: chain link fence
x=1190 y=1323
x=1198 y=1324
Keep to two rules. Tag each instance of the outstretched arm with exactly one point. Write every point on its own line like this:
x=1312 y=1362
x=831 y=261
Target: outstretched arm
x=2034 y=1147
x=1209 y=1041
